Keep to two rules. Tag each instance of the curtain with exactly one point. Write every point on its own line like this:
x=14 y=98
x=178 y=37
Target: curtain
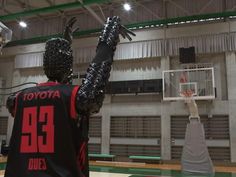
x=29 y=60
x=84 y=55
x=212 y=43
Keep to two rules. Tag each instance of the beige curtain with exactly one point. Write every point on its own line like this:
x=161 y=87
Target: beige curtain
x=213 y=43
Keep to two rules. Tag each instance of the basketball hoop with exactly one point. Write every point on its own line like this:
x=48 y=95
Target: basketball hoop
x=187 y=93
x=200 y=81
x=185 y=87
x=5 y=35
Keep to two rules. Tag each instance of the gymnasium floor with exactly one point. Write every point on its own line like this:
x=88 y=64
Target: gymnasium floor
x=103 y=169
x=98 y=171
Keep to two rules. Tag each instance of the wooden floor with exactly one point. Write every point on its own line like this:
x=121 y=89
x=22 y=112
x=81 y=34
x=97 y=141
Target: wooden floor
x=140 y=165
x=94 y=174
x=101 y=174
x=156 y=166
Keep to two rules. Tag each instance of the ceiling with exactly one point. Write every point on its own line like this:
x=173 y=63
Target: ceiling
x=48 y=17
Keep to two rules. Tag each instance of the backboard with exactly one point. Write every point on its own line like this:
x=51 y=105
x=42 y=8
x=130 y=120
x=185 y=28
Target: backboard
x=5 y=35
x=200 y=81
x=1 y=92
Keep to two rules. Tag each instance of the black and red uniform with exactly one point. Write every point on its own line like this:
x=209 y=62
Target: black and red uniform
x=50 y=132
x=43 y=140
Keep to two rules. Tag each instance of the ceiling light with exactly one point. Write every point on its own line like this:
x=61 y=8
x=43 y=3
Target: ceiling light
x=127 y=7
x=22 y=24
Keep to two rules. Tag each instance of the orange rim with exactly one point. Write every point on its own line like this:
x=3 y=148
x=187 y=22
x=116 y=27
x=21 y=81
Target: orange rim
x=187 y=93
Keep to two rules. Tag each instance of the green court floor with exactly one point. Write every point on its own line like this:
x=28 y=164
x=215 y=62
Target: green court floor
x=2 y=166
x=141 y=172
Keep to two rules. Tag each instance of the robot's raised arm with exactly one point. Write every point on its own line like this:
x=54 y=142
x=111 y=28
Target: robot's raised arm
x=92 y=91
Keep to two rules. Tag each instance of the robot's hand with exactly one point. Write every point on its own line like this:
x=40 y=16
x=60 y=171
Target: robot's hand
x=126 y=32
x=68 y=33
x=112 y=29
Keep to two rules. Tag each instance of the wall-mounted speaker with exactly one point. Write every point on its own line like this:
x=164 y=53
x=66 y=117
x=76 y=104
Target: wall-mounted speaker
x=187 y=55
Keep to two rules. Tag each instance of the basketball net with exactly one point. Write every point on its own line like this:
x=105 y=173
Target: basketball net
x=187 y=95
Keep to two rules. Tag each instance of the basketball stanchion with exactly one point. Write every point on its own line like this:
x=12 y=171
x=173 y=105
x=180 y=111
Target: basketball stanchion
x=195 y=156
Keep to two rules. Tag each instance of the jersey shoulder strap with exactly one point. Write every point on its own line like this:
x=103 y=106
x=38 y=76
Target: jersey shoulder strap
x=73 y=113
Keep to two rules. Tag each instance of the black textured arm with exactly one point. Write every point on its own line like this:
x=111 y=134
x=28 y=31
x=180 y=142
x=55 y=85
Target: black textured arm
x=11 y=104
x=91 y=93
x=110 y=33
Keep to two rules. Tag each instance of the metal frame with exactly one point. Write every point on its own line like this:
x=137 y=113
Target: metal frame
x=194 y=97
x=5 y=35
x=146 y=24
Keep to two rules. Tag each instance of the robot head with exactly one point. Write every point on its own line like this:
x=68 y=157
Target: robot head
x=58 y=60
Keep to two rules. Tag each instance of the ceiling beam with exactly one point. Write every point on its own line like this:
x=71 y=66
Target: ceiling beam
x=103 y=15
x=205 y=6
x=51 y=9
x=27 y=6
x=5 y=10
x=24 y=5
x=165 y=9
x=179 y=6
x=148 y=10
x=92 y=12
x=146 y=24
x=50 y=3
x=3 y=7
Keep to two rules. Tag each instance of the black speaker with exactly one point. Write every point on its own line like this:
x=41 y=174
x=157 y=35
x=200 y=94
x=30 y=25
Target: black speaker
x=187 y=55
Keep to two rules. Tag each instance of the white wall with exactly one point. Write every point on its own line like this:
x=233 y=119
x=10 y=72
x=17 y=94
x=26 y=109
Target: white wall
x=28 y=75
x=6 y=72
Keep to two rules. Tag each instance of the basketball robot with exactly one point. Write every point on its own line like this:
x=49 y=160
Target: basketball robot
x=50 y=132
